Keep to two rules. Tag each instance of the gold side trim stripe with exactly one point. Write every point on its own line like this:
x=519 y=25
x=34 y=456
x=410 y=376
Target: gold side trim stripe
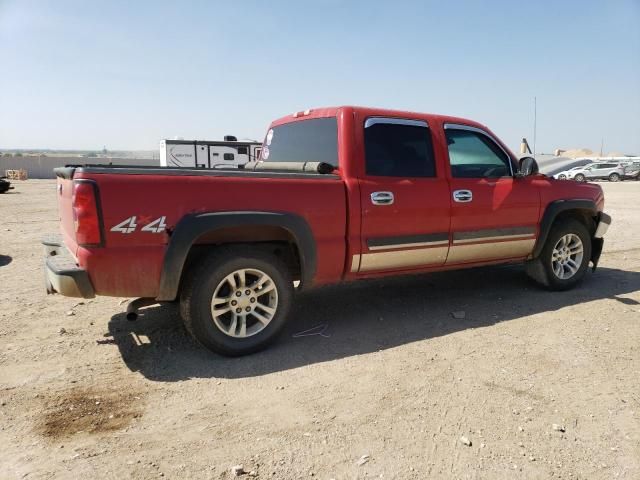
x=403 y=258
x=355 y=263
x=490 y=251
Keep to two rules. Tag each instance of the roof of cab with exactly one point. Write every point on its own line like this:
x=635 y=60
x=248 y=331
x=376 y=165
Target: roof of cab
x=371 y=111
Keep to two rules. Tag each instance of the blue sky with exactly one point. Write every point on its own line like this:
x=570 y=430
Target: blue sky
x=81 y=74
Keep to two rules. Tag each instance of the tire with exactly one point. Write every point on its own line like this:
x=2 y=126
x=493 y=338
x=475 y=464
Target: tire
x=552 y=268
x=215 y=277
x=614 y=177
x=580 y=178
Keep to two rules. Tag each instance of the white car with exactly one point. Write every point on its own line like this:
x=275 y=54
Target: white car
x=567 y=174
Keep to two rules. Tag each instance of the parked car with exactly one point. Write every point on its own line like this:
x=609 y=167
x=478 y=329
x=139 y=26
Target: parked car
x=565 y=174
x=340 y=194
x=632 y=170
x=5 y=185
x=611 y=171
x=555 y=172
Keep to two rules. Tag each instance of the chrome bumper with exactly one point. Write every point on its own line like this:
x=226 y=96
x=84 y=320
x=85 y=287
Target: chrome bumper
x=61 y=272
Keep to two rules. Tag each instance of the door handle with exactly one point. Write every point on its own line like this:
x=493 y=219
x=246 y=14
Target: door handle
x=382 y=198
x=462 y=196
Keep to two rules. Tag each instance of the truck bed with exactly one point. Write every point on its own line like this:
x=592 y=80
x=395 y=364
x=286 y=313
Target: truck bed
x=130 y=260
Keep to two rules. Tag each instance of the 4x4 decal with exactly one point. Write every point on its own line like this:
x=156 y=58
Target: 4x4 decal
x=130 y=225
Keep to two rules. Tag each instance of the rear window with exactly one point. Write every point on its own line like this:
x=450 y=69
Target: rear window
x=314 y=140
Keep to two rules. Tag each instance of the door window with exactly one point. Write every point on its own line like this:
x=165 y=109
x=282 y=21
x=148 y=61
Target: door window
x=398 y=148
x=474 y=155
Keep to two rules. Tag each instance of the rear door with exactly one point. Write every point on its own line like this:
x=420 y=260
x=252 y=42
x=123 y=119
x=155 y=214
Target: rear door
x=493 y=215
x=405 y=201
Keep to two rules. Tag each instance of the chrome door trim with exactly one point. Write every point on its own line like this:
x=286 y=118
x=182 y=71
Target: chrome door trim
x=382 y=198
x=408 y=241
x=508 y=233
x=460 y=126
x=488 y=239
x=409 y=245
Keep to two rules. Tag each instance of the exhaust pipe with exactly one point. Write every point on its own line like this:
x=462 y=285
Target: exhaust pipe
x=135 y=305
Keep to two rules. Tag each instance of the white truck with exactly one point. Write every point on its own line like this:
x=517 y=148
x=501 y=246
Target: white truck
x=208 y=154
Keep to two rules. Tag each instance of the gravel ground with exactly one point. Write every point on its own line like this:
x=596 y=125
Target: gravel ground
x=539 y=384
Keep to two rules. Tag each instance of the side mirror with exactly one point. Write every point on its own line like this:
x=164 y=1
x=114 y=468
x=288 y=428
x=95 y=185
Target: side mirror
x=528 y=166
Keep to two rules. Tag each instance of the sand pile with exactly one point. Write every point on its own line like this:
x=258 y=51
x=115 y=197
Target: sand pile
x=577 y=153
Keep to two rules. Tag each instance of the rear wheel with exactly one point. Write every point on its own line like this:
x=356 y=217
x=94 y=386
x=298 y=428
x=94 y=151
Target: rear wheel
x=614 y=177
x=237 y=300
x=579 y=177
x=564 y=258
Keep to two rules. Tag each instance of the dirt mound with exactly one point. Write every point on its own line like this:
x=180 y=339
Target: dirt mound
x=577 y=153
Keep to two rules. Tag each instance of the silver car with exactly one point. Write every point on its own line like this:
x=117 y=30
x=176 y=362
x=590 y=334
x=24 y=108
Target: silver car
x=613 y=172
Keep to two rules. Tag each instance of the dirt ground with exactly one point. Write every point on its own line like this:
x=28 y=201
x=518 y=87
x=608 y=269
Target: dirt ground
x=386 y=391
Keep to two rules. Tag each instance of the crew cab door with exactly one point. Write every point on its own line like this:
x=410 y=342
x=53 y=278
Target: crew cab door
x=404 y=202
x=494 y=215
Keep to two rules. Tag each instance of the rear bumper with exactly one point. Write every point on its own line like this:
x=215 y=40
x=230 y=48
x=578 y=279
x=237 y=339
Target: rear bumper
x=61 y=272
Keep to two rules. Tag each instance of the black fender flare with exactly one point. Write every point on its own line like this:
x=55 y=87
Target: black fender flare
x=192 y=226
x=551 y=213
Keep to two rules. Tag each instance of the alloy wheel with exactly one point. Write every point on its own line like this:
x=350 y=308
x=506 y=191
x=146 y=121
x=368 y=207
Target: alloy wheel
x=566 y=257
x=244 y=303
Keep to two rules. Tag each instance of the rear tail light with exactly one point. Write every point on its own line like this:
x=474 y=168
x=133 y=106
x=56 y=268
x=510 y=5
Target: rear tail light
x=86 y=216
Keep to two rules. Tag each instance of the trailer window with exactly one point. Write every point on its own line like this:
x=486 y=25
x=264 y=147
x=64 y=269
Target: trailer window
x=314 y=140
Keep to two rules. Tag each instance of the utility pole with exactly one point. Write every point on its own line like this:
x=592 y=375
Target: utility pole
x=535 y=119
x=601 y=146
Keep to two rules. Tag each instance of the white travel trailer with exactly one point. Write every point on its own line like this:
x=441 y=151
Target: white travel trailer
x=208 y=154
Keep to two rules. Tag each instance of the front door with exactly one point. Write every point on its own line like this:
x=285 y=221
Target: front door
x=405 y=201
x=494 y=215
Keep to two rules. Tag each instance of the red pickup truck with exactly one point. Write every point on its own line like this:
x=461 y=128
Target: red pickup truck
x=338 y=194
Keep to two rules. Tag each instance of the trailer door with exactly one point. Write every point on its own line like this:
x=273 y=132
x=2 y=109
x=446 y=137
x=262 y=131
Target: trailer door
x=202 y=156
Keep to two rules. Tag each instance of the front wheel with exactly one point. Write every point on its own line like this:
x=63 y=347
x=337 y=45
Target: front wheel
x=579 y=178
x=237 y=300
x=565 y=256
